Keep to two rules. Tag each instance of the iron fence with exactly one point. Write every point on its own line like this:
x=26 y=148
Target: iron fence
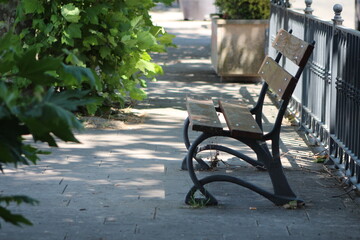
x=327 y=99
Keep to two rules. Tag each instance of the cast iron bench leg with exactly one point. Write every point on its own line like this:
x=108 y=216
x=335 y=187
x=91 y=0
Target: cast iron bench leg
x=282 y=191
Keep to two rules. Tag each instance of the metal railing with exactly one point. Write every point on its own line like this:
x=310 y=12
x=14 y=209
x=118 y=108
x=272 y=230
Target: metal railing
x=327 y=99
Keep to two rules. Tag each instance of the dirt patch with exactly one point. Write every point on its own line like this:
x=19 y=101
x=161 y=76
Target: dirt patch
x=119 y=119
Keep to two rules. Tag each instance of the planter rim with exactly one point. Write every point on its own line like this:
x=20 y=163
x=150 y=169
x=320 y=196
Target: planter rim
x=239 y=21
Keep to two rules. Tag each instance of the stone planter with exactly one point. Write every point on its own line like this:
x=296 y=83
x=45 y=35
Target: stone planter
x=197 y=9
x=238 y=47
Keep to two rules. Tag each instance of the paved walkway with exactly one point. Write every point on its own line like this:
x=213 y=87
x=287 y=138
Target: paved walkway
x=126 y=183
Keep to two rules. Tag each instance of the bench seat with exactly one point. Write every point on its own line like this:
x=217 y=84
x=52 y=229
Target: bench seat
x=203 y=117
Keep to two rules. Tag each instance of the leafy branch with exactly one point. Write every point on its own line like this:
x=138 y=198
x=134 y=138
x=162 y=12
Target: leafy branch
x=31 y=105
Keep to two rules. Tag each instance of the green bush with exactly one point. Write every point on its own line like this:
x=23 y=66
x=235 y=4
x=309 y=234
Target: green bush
x=115 y=37
x=244 y=9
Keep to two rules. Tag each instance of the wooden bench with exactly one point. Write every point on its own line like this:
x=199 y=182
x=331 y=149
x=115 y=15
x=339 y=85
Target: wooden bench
x=245 y=126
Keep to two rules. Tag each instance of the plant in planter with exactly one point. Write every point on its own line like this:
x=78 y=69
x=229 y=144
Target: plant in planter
x=244 y=9
x=238 y=37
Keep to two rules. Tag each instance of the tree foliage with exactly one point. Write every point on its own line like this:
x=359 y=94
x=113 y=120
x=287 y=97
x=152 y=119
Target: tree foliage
x=115 y=37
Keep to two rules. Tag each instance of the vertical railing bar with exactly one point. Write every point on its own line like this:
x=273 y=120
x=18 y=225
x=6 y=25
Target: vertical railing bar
x=357 y=98
x=352 y=80
x=341 y=93
x=348 y=91
x=344 y=99
x=346 y=110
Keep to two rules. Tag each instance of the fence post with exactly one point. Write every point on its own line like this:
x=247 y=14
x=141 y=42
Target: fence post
x=306 y=75
x=308 y=9
x=337 y=20
x=287 y=4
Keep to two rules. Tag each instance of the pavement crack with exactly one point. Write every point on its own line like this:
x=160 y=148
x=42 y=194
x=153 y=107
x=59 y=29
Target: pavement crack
x=136 y=229
x=307 y=215
x=64 y=188
x=288 y=230
x=155 y=213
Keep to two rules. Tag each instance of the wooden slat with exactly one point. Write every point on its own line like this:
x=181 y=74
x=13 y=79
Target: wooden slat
x=292 y=47
x=202 y=115
x=279 y=80
x=239 y=120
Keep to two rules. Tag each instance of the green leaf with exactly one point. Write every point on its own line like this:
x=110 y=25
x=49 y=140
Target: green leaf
x=105 y=51
x=9 y=42
x=114 y=31
x=11 y=146
x=56 y=20
x=39 y=24
x=137 y=94
x=60 y=121
x=145 y=66
x=73 y=30
x=15 y=219
x=65 y=39
x=92 y=13
x=92 y=107
x=72 y=58
x=70 y=13
x=53 y=116
x=112 y=41
x=136 y=21
x=73 y=75
x=166 y=39
x=32 y=6
x=90 y=41
x=146 y=40
x=35 y=70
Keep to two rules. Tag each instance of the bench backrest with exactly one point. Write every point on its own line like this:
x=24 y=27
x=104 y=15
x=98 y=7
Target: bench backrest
x=277 y=78
x=294 y=49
